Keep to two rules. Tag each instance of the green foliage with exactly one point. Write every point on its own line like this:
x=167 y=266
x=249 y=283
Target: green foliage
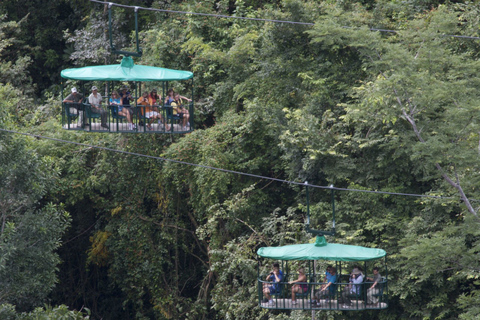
x=39 y=39
x=30 y=231
x=416 y=103
x=91 y=44
x=235 y=294
x=331 y=104
x=7 y=312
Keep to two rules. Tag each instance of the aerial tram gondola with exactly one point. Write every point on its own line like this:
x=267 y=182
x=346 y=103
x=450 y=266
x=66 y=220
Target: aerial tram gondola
x=79 y=115
x=347 y=260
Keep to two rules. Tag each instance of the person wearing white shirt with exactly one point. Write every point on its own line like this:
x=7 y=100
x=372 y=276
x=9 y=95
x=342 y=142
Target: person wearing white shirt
x=95 y=100
x=354 y=289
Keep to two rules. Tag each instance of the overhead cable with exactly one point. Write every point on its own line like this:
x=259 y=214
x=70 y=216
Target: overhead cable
x=136 y=8
x=305 y=184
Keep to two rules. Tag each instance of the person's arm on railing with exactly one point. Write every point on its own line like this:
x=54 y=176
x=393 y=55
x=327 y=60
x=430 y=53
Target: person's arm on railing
x=185 y=98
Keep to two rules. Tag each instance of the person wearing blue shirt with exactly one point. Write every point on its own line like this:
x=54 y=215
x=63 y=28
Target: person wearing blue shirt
x=116 y=101
x=328 y=289
x=275 y=277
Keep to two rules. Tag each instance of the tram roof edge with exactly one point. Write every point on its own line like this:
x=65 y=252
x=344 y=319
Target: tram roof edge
x=125 y=71
x=326 y=251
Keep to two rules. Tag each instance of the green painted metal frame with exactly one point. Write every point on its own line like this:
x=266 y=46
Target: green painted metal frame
x=112 y=46
x=312 y=275
x=137 y=86
x=283 y=301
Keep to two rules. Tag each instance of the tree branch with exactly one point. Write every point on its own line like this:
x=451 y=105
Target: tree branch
x=454 y=184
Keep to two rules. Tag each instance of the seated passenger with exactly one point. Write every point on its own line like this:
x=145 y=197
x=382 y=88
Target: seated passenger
x=170 y=97
x=150 y=111
x=126 y=97
x=121 y=111
x=327 y=273
x=154 y=99
x=275 y=276
x=76 y=98
x=374 y=290
x=95 y=100
x=353 y=289
x=328 y=289
x=179 y=109
x=300 y=288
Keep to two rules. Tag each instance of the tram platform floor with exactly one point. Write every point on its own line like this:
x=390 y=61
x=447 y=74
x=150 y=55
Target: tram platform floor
x=305 y=304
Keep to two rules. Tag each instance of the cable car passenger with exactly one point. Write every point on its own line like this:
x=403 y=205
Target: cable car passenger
x=77 y=98
x=121 y=111
x=126 y=97
x=154 y=99
x=151 y=112
x=356 y=279
x=170 y=97
x=95 y=101
x=374 y=290
x=300 y=288
x=181 y=110
x=275 y=276
x=327 y=290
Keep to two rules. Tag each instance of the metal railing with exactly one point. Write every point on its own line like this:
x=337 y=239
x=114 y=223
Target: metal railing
x=344 y=296
x=82 y=117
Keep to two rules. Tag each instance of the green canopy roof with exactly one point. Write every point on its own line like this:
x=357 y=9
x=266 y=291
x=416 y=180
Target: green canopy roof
x=321 y=250
x=125 y=71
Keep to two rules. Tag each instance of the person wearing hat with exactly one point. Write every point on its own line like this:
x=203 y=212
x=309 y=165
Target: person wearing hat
x=76 y=99
x=353 y=289
x=95 y=100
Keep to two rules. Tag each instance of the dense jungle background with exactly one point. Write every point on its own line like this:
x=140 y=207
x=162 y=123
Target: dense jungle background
x=336 y=103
